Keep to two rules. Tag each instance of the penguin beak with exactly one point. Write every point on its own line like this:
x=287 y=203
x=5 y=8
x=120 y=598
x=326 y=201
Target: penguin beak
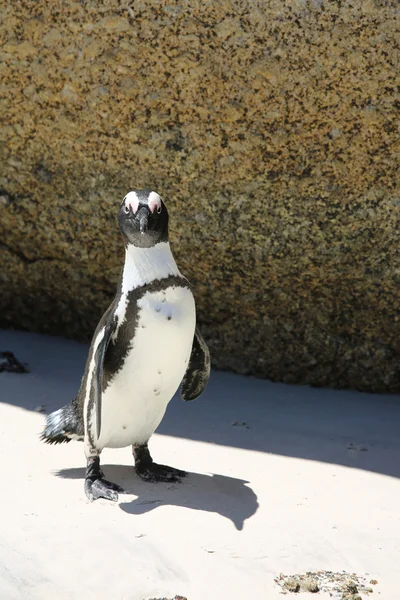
x=143 y=215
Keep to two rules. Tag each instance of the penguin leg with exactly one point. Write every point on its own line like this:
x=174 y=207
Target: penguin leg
x=95 y=484
x=148 y=470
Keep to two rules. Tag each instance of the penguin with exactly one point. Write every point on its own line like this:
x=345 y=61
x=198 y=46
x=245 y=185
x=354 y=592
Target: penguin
x=145 y=345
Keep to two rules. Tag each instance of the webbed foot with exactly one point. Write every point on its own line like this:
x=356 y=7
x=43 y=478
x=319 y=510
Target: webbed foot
x=151 y=471
x=154 y=473
x=96 y=486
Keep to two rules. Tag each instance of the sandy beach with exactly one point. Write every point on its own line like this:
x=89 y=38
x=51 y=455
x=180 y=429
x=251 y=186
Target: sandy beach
x=282 y=479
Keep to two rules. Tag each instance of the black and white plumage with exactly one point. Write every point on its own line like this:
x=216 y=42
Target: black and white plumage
x=144 y=346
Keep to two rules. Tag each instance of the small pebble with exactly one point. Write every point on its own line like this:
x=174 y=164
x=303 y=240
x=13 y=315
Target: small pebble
x=310 y=585
x=9 y=363
x=351 y=587
x=292 y=584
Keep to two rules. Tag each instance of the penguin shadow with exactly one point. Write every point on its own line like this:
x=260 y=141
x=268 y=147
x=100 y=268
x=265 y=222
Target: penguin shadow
x=229 y=497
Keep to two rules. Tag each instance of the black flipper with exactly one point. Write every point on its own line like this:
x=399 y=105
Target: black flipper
x=198 y=370
x=98 y=375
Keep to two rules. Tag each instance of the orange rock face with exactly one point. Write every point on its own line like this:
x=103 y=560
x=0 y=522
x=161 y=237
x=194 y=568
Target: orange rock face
x=270 y=128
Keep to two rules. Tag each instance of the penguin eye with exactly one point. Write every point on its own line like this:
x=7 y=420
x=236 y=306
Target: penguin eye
x=159 y=209
x=126 y=208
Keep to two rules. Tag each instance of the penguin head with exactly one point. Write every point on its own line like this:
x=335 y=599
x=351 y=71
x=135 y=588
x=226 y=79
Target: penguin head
x=143 y=219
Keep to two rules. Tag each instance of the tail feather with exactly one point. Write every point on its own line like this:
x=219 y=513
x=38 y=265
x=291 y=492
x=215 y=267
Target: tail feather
x=62 y=426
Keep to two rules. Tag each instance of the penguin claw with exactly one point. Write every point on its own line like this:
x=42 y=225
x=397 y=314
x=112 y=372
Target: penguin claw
x=101 y=488
x=154 y=473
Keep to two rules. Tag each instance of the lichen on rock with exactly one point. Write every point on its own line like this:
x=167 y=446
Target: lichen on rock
x=270 y=129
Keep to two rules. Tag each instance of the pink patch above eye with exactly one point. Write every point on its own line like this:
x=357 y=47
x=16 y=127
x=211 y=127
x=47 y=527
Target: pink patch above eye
x=152 y=207
x=154 y=202
x=132 y=201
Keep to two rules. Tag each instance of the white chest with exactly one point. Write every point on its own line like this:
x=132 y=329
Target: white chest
x=135 y=401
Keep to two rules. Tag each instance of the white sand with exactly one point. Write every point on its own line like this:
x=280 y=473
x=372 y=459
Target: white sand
x=311 y=483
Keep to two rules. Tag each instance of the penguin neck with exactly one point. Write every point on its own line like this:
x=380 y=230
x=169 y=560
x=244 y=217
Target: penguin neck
x=144 y=265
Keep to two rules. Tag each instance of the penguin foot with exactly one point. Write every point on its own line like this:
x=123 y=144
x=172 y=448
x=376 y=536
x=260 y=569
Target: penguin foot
x=101 y=488
x=96 y=486
x=153 y=472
